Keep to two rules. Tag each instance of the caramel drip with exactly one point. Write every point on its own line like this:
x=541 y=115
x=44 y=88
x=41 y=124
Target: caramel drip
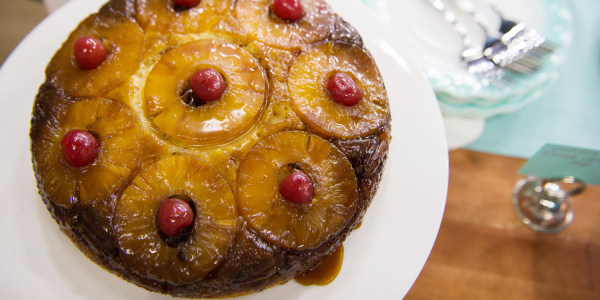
x=326 y=271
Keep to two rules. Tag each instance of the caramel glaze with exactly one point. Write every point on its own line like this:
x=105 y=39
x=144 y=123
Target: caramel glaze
x=326 y=271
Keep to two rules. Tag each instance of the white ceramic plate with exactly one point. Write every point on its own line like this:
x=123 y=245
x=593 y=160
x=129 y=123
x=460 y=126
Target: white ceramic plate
x=382 y=258
x=437 y=48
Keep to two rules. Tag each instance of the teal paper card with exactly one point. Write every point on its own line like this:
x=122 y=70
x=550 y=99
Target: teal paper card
x=558 y=161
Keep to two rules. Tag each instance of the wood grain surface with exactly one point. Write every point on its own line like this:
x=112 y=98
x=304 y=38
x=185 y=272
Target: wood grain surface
x=483 y=251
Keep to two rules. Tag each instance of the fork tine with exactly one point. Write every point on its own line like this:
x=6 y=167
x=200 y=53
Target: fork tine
x=521 y=68
x=546 y=47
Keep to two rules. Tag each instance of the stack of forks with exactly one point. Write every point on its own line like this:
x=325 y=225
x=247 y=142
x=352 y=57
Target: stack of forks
x=513 y=48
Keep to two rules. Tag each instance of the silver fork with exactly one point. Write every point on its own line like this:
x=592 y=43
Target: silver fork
x=513 y=45
x=471 y=55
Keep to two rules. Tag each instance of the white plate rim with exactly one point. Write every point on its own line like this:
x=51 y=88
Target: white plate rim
x=394 y=241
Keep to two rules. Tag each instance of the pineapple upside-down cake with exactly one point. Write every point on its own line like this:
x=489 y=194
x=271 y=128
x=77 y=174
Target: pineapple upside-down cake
x=210 y=148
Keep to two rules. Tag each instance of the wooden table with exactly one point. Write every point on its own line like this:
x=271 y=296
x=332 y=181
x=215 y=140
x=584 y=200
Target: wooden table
x=483 y=251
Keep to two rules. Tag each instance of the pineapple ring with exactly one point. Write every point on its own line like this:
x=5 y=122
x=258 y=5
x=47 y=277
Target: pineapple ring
x=117 y=130
x=257 y=19
x=213 y=230
x=312 y=102
x=293 y=226
x=161 y=15
x=124 y=44
x=214 y=122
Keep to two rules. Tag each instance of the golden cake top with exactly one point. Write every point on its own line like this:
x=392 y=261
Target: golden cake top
x=181 y=142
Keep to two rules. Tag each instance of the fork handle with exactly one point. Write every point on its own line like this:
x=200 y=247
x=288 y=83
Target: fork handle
x=451 y=17
x=469 y=7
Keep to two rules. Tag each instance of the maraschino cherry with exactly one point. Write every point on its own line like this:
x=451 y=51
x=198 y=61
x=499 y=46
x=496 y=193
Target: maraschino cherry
x=186 y=3
x=89 y=52
x=80 y=148
x=288 y=10
x=297 y=188
x=207 y=84
x=174 y=216
x=343 y=89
